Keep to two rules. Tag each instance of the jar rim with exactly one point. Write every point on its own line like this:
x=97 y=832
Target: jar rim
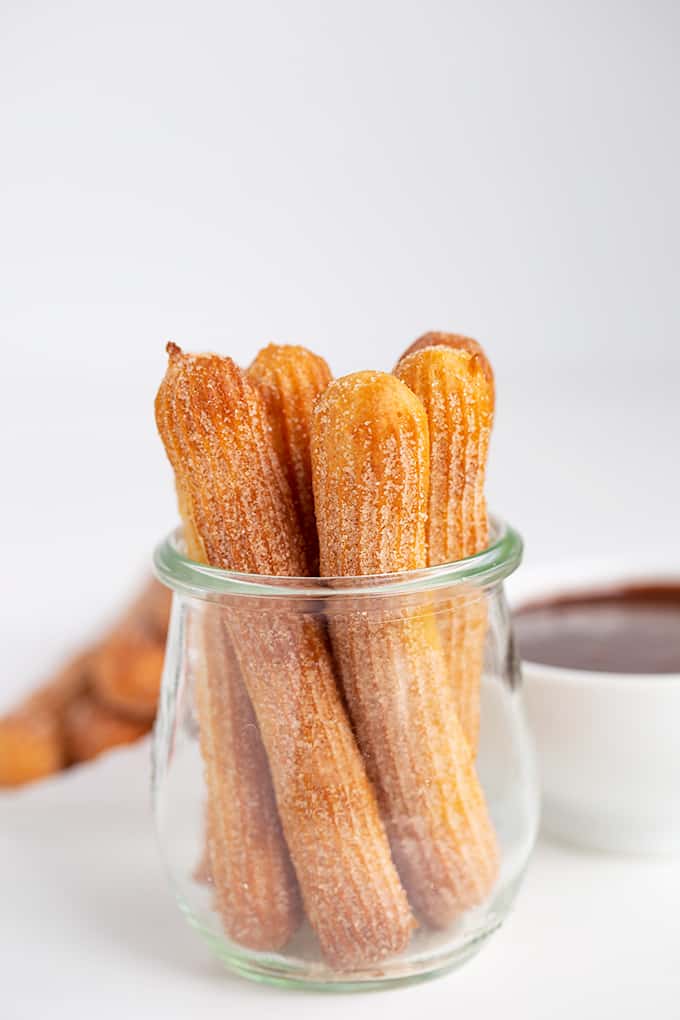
x=174 y=569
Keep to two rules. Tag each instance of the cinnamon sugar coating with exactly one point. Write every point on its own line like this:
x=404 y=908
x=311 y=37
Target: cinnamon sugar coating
x=290 y=379
x=370 y=457
x=459 y=400
x=456 y=342
x=255 y=889
x=245 y=855
x=214 y=423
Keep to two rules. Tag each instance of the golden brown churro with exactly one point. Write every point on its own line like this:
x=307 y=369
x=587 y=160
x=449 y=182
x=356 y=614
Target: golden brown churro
x=126 y=669
x=90 y=729
x=31 y=747
x=457 y=343
x=370 y=456
x=457 y=394
x=245 y=856
x=31 y=737
x=290 y=379
x=256 y=893
x=214 y=425
x=126 y=673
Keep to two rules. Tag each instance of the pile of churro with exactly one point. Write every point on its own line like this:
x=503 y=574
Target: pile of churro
x=104 y=696
x=339 y=752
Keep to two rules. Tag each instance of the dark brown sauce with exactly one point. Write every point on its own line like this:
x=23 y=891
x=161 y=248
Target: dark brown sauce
x=631 y=629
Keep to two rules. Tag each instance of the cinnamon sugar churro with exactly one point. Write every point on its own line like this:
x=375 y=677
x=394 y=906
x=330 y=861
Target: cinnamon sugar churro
x=123 y=671
x=457 y=393
x=370 y=456
x=214 y=424
x=127 y=667
x=31 y=736
x=290 y=380
x=456 y=342
x=245 y=855
x=31 y=747
x=256 y=892
x=89 y=729
x=35 y=744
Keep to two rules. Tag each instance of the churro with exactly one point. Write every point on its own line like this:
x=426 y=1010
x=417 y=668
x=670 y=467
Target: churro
x=456 y=342
x=31 y=747
x=126 y=669
x=31 y=737
x=290 y=380
x=90 y=728
x=370 y=457
x=244 y=855
x=126 y=673
x=247 y=861
x=214 y=424
x=458 y=397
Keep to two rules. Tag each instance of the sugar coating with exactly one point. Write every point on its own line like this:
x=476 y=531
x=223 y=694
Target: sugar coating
x=369 y=446
x=457 y=392
x=237 y=501
x=290 y=380
x=370 y=458
x=456 y=342
x=255 y=889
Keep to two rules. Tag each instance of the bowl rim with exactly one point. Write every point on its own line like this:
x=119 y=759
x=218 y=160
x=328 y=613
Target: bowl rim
x=550 y=579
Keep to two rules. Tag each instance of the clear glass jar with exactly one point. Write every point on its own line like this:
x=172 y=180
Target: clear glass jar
x=343 y=781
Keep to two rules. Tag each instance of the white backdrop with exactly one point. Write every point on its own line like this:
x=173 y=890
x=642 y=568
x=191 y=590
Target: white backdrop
x=345 y=176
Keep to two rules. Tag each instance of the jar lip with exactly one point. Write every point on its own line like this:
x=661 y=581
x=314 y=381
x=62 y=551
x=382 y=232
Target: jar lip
x=174 y=569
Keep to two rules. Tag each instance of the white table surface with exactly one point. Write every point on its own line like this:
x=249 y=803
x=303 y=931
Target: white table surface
x=583 y=464
x=89 y=928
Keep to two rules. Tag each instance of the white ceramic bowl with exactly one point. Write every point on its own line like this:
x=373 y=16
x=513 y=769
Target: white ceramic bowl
x=608 y=744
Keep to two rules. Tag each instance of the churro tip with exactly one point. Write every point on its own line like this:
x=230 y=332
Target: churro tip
x=453 y=341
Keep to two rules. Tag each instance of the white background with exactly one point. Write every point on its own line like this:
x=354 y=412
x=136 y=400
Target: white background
x=345 y=176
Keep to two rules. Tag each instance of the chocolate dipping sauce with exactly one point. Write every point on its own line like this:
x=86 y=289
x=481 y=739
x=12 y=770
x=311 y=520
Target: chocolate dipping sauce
x=631 y=629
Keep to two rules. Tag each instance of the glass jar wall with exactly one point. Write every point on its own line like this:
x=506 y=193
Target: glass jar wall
x=344 y=786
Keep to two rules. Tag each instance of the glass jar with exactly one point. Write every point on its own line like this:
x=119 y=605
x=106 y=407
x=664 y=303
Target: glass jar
x=343 y=781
